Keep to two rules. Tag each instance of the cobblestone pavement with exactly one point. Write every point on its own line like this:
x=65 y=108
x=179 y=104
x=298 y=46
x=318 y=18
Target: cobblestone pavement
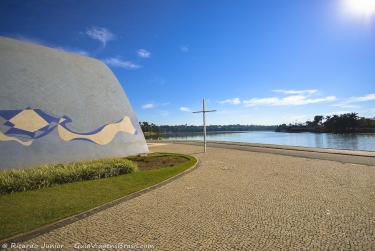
x=238 y=200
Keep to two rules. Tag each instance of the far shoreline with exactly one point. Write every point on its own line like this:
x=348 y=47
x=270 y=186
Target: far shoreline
x=224 y=132
x=351 y=142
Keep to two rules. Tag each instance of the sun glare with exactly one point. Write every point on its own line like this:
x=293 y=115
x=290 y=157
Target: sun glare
x=364 y=8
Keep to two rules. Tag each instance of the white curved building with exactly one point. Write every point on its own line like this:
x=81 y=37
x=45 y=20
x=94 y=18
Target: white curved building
x=57 y=106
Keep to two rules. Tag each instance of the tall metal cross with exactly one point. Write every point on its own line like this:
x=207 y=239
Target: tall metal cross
x=204 y=111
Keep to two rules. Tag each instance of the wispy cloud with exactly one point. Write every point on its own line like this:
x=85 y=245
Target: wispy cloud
x=352 y=102
x=292 y=98
x=103 y=35
x=185 y=109
x=143 y=53
x=297 y=92
x=233 y=101
x=288 y=100
x=343 y=105
x=148 y=106
x=368 y=97
x=118 y=62
x=184 y=48
x=153 y=105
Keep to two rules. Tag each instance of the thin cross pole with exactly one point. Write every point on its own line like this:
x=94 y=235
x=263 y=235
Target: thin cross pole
x=204 y=111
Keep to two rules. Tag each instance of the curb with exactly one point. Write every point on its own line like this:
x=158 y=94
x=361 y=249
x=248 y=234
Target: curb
x=342 y=156
x=354 y=153
x=71 y=219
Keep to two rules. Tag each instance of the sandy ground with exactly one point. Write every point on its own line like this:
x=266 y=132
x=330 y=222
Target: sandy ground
x=241 y=200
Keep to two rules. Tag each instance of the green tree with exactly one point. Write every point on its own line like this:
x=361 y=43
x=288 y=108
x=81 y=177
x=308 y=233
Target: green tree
x=343 y=123
x=318 y=120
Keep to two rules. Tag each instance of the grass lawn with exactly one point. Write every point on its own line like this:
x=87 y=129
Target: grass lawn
x=24 y=211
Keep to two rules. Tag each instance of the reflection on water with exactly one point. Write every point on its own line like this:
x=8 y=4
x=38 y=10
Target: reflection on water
x=365 y=142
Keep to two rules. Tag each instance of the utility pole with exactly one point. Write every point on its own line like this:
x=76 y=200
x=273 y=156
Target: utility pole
x=204 y=111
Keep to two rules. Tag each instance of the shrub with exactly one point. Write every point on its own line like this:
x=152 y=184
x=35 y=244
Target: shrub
x=15 y=180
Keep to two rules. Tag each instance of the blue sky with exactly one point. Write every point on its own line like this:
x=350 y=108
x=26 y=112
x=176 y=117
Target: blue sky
x=256 y=62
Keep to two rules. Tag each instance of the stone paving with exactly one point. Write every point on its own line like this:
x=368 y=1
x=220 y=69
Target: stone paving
x=239 y=200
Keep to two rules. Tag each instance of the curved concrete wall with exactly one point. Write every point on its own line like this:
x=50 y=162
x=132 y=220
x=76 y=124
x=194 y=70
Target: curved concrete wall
x=58 y=107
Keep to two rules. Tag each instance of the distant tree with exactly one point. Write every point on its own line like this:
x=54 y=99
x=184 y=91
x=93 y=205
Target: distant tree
x=343 y=123
x=146 y=127
x=282 y=128
x=310 y=123
x=318 y=120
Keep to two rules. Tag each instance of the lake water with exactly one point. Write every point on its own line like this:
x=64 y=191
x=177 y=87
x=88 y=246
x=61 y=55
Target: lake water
x=364 y=142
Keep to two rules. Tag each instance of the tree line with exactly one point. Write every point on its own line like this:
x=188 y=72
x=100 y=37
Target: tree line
x=344 y=123
x=151 y=128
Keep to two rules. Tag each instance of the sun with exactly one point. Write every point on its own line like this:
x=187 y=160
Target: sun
x=364 y=8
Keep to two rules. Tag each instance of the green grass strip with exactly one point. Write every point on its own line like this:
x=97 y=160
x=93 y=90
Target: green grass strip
x=24 y=211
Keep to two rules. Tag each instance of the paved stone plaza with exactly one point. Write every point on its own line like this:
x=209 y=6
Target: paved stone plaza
x=241 y=200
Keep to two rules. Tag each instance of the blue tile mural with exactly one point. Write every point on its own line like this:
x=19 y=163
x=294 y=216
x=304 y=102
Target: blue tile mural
x=24 y=126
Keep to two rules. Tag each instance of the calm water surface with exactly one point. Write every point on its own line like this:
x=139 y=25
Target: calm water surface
x=364 y=142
